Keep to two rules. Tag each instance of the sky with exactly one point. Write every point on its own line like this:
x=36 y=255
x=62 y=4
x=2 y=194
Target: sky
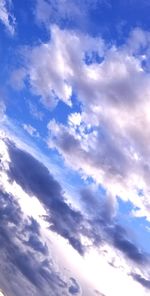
x=74 y=147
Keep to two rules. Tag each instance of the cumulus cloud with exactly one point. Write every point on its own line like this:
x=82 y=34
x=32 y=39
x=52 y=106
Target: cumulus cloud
x=58 y=63
x=6 y=16
x=108 y=139
x=26 y=261
x=97 y=224
x=36 y=180
x=19 y=253
x=109 y=144
x=93 y=228
x=101 y=210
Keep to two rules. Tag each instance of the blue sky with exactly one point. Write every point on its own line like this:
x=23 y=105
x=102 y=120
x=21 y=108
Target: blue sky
x=75 y=126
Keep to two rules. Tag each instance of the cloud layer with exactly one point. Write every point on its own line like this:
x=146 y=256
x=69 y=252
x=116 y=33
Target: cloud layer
x=94 y=226
x=101 y=132
x=37 y=181
x=25 y=259
x=108 y=139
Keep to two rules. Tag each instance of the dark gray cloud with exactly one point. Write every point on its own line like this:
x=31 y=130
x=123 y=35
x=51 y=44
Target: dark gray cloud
x=36 y=180
x=36 y=244
x=124 y=243
x=101 y=209
x=53 y=278
x=118 y=237
x=98 y=204
x=144 y=282
x=20 y=244
x=74 y=288
x=33 y=176
x=99 y=225
x=32 y=227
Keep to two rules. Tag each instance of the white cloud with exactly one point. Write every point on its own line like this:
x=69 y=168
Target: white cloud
x=110 y=140
x=2 y=110
x=115 y=97
x=35 y=112
x=30 y=130
x=52 y=66
x=54 y=11
x=6 y=17
x=75 y=119
x=104 y=263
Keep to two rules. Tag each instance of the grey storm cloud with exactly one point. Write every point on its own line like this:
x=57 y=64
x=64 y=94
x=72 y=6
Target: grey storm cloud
x=102 y=212
x=124 y=243
x=118 y=237
x=74 y=288
x=36 y=180
x=36 y=244
x=98 y=204
x=20 y=263
x=140 y=279
x=12 y=222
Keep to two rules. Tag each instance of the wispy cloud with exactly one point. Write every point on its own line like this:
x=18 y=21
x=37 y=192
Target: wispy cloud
x=2 y=109
x=30 y=130
x=73 y=12
x=6 y=15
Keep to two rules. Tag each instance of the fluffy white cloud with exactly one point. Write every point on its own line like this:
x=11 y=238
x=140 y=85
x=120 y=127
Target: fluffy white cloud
x=109 y=140
x=52 y=66
x=112 y=142
x=6 y=17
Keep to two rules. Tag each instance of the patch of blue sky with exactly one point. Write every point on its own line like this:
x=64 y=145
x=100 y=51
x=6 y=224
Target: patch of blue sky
x=27 y=31
x=138 y=226
x=92 y=58
x=61 y=112
x=50 y=157
x=115 y=19
x=111 y=19
x=18 y=108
